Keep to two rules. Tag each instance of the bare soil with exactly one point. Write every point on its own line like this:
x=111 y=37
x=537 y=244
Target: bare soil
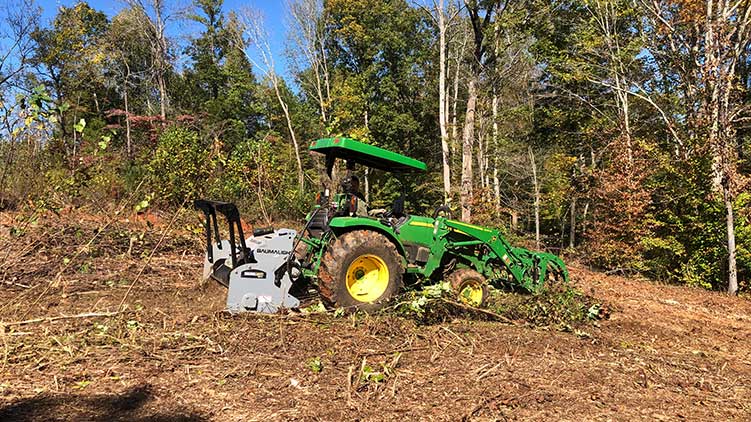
x=170 y=353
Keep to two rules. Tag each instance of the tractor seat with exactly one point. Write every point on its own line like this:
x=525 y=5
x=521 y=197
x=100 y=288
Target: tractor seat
x=397 y=209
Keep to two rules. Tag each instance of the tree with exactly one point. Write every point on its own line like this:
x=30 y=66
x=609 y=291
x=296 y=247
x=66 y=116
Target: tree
x=380 y=60
x=443 y=20
x=218 y=84
x=19 y=18
x=704 y=47
x=309 y=36
x=257 y=36
x=69 y=58
x=153 y=17
x=129 y=68
x=481 y=17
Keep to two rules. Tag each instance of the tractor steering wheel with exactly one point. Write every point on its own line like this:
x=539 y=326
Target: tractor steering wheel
x=442 y=209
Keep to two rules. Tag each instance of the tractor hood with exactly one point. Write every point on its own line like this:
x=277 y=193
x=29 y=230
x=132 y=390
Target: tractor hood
x=364 y=154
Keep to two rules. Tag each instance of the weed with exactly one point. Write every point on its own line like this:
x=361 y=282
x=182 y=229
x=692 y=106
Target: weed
x=80 y=385
x=368 y=375
x=315 y=364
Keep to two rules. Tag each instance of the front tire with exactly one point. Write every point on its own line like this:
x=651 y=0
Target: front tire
x=360 y=270
x=470 y=286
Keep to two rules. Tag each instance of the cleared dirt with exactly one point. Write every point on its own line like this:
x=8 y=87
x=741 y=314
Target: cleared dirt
x=171 y=354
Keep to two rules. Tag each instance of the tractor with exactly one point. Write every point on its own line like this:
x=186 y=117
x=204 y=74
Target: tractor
x=360 y=259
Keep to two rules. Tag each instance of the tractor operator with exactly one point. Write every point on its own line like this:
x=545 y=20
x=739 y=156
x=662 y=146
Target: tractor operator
x=354 y=189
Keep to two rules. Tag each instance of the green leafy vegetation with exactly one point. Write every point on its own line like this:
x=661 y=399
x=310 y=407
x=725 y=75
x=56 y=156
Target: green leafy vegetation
x=559 y=306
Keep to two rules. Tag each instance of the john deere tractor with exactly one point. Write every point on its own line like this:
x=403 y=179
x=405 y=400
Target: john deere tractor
x=359 y=259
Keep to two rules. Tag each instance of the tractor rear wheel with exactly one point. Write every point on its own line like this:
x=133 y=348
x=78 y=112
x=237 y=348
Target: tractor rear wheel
x=470 y=286
x=360 y=270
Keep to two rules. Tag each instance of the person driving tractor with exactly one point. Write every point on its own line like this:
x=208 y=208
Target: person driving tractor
x=354 y=189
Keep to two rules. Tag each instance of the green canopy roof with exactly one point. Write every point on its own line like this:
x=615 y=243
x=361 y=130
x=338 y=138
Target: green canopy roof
x=366 y=155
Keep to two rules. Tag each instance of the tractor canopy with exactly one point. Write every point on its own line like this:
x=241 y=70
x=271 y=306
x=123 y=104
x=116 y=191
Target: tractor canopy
x=367 y=155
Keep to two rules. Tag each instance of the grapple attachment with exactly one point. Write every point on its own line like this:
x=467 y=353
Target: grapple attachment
x=257 y=270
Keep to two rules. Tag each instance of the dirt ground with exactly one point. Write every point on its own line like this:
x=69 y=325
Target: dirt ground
x=169 y=353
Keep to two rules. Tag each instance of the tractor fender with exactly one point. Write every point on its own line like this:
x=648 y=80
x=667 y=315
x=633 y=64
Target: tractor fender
x=343 y=225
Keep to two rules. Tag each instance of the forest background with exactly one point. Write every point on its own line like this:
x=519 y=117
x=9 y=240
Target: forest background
x=614 y=130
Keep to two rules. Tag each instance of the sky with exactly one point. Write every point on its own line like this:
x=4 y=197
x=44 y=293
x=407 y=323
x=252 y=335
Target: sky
x=272 y=10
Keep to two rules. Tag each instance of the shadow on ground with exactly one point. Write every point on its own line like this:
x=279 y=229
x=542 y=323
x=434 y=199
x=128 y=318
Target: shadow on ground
x=135 y=404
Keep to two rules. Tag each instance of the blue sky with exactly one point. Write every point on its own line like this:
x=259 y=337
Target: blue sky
x=273 y=11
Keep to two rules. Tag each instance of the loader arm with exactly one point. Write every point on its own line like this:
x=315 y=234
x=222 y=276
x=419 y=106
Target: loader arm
x=529 y=269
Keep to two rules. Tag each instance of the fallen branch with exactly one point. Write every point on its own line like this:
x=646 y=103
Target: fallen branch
x=10 y=283
x=50 y=319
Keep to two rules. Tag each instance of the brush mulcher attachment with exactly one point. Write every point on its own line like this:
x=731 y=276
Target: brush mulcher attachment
x=257 y=270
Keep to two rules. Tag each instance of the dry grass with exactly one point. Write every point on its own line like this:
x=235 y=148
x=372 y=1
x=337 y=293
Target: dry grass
x=666 y=353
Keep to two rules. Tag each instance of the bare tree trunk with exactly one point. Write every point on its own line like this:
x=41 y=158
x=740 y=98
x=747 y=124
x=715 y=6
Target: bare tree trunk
x=257 y=33
x=572 y=223
x=367 y=169
x=732 y=268
x=162 y=54
x=162 y=95
x=481 y=146
x=584 y=220
x=455 y=100
x=285 y=109
x=128 y=144
x=536 y=186
x=442 y=102
x=467 y=141
x=496 y=182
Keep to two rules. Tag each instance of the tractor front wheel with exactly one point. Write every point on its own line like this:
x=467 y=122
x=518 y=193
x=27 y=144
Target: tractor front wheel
x=360 y=270
x=470 y=286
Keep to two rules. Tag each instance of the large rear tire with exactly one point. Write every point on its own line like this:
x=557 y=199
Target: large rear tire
x=360 y=270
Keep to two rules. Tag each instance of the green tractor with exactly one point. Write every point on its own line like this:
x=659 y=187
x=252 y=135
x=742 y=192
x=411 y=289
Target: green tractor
x=360 y=259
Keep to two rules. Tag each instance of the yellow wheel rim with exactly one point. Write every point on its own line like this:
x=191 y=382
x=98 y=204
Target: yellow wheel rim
x=472 y=293
x=367 y=278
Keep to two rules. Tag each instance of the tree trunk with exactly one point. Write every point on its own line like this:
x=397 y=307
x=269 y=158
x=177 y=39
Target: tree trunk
x=732 y=269
x=537 y=198
x=128 y=143
x=367 y=170
x=572 y=223
x=455 y=99
x=442 y=104
x=496 y=182
x=162 y=58
x=285 y=109
x=467 y=141
x=162 y=95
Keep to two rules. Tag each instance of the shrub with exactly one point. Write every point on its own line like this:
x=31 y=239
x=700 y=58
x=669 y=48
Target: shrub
x=181 y=166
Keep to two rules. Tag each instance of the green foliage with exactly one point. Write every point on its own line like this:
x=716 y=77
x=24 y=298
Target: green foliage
x=559 y=305
x=181 y=166
x=315 y=364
